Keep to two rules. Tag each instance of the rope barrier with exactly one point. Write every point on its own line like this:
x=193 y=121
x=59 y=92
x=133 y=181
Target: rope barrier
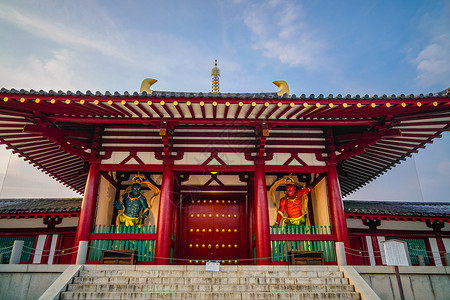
x=56 y=250
x=1 y=249
x=348 y=250
x=180 y=259
x=409 y=249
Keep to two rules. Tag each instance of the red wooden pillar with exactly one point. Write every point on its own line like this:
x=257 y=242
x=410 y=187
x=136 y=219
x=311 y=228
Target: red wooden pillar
x=164 y=228
x=251 y=216
x=441 y=247
x=337 y=209
x=262 y=233
x=437 y=226
x=87 y=213
x=373 y=223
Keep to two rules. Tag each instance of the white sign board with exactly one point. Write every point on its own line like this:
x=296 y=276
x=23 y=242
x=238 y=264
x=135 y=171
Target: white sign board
x=396 y=253
x=212 y=266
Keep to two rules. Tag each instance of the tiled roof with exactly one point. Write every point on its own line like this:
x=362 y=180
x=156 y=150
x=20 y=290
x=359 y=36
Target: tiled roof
x=421 y=209
x=427 y=209
x=39 y=205
x=58 y=131
x=168 y=94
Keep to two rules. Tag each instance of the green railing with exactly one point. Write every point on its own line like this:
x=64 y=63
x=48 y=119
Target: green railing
x=7 y=242
x=301 y=238
x=139 y=238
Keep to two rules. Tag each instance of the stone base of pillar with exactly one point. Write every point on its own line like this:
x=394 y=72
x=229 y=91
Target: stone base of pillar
x=340 y=254
x=82 y=252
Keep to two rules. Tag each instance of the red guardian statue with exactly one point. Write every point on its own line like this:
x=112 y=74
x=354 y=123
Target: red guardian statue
x=294 y=203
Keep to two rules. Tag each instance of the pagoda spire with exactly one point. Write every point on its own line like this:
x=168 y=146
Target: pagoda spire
x=215 y=73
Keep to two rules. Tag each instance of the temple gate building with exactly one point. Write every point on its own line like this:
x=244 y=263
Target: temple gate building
x=214 y=167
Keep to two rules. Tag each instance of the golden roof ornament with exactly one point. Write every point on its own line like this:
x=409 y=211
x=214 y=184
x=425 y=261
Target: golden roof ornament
x=146 y=84
x=215 y=73
x=284 y=88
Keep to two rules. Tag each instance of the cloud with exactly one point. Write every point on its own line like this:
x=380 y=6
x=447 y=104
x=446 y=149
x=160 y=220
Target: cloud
x=433 y=62
x=90 y=44
x=24 y=180
x=443 y=168
x=278 y=32
x=62 y=34
x=55 y=72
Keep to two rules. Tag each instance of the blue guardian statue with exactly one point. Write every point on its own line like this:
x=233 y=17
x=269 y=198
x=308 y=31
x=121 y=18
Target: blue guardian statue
x=133 y=202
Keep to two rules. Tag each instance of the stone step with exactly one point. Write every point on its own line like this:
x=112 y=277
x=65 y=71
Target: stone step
x=202 y=268
x=101 y=288
x=212 y=295
x=209 y=280
x=206 y=274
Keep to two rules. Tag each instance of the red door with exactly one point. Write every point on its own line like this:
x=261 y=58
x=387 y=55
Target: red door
x=357 y=251
x=213 y=228
x=64 y=255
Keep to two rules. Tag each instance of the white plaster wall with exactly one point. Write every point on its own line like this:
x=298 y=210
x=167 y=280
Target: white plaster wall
x=390 y=225
x=370 y=250
x=320 y=204
x=225 y=179
x=435 y=252
x=380 y=240
x=118 y=157
x=106 y=194
x=22 y=223
x=35 y=223
x=68 y=222
x=198 y=158
x=308 y=158
x=52 y=249
x=446 y=242
x=39 y=247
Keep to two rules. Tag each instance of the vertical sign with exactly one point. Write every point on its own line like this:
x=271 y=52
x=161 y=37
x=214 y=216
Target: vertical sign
x=396 y=253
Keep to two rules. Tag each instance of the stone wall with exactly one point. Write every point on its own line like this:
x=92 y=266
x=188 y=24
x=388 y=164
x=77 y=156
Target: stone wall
x=27 y=281
x=419 y=283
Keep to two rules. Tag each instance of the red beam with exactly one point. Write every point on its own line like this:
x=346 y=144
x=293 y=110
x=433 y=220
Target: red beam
x=176 y=122
x=274 y=109
x=302 y=237
x=202 y=108
x=238 y=110
x=145 y=110
x=167 y=109
x=293 y=113
x=305 y=111
x=261 y=110
x=120 y=109
x=249 y=111
x=191 y=109
x=122 y=236
x=128 y=106
x=284 y=111
x=214 y=104
x=71 y=214
x=129 y=133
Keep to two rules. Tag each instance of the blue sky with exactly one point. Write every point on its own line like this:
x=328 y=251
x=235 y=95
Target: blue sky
x=319 y=47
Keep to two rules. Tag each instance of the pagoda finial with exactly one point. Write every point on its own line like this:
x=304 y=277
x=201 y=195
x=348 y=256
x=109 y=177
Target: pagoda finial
x=215 y=73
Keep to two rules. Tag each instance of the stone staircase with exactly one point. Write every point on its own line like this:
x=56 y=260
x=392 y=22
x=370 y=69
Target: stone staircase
x=194 y=282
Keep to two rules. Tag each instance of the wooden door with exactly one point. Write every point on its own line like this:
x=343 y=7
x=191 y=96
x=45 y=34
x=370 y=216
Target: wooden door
x=65 y=249
x=213 y=228
x=357 y=250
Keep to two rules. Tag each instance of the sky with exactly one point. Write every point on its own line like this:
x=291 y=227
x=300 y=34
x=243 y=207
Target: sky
x=318 y=47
